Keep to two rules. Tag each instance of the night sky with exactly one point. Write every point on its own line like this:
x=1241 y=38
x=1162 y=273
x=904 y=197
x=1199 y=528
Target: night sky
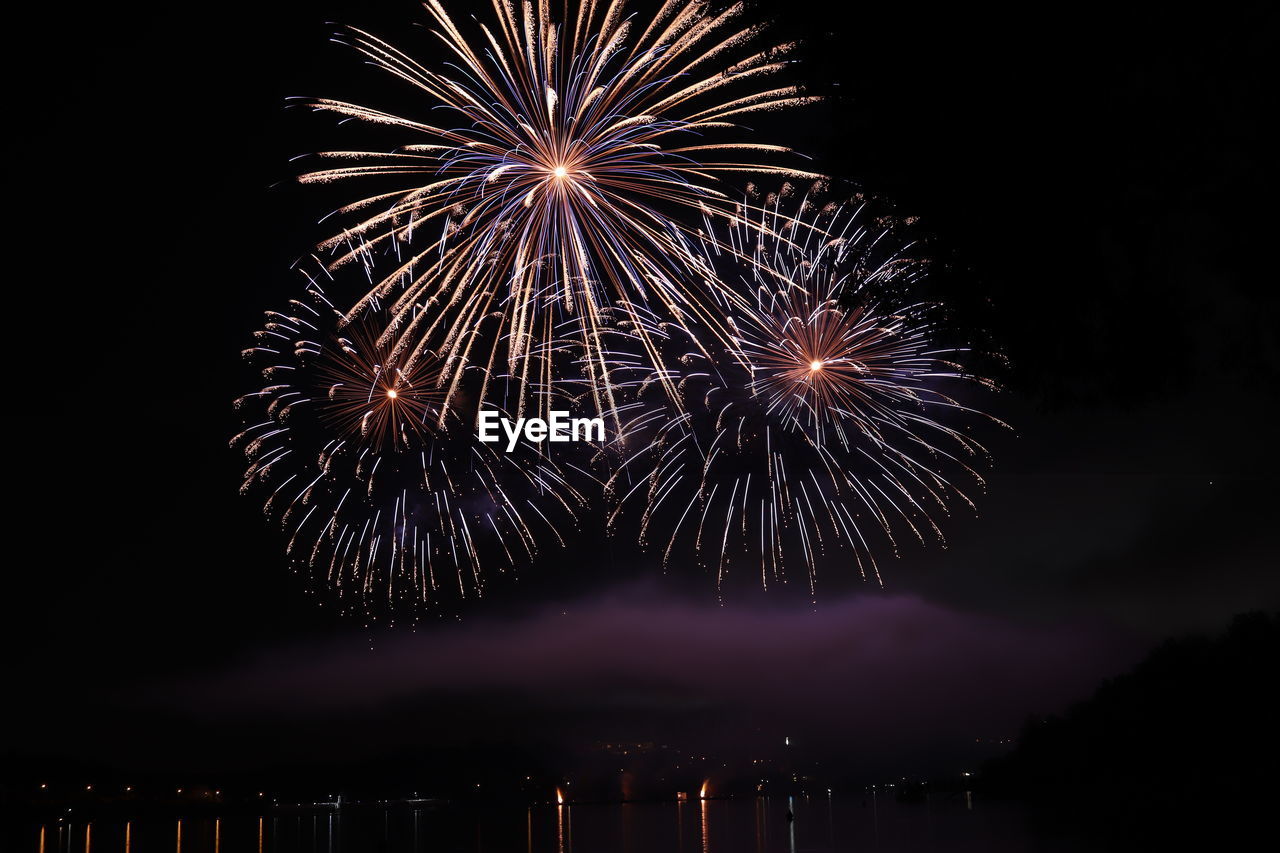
x=1091 y=181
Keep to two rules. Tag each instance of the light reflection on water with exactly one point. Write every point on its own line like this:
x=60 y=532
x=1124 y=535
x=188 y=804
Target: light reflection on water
x=820 y=825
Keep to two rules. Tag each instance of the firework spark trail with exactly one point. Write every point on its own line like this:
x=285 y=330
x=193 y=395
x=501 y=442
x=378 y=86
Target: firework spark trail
x=381 y=500
x=839 y=428
x=551 y=196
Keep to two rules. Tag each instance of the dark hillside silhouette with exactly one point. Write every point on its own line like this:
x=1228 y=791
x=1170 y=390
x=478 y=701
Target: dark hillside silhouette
x=1189 y=739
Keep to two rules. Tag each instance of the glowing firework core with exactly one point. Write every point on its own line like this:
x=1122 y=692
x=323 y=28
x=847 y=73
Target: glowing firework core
x=391 y=393
x=815 y=365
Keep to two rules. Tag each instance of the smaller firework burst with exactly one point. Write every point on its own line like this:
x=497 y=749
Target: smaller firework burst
x=388 y=504
x=841 y=425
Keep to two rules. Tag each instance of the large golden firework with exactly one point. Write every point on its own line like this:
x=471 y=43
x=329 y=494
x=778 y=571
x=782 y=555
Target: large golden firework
x=548 y=200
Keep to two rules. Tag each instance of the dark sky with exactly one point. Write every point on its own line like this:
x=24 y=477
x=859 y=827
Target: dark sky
x=1092 y=181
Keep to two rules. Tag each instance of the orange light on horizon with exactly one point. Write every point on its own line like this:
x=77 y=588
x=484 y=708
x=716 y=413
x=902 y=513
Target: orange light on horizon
x=702 y=794
x=559 y=797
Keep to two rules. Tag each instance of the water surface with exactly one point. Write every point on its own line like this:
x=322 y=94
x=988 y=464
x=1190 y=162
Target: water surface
x=943 y=822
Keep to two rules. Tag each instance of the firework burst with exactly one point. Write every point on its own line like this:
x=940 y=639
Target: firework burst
x=547 y=203
x=839 y=430
x=382 y=500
